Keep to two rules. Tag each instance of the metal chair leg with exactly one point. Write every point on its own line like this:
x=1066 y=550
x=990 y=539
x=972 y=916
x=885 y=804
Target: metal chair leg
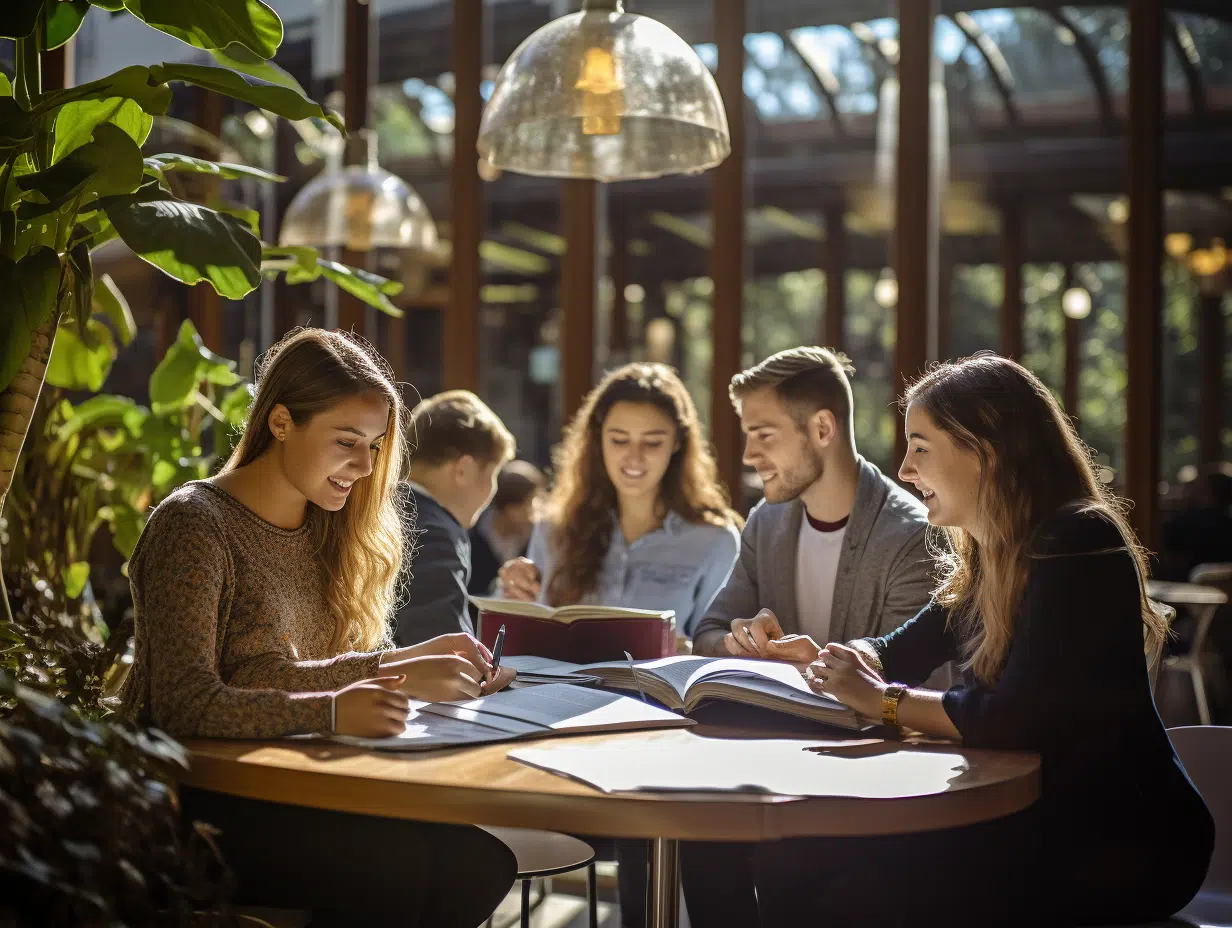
x=526 y=904
x=592 y=894
x=1199 y=685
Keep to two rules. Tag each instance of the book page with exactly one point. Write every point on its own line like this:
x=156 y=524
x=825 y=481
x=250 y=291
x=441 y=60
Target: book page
x=582 y=612
x=677 y=672
x=428 y=731
x=512 y=607
x=558 y=707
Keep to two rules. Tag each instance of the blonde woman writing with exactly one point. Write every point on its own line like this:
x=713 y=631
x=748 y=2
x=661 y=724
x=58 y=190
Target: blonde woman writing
x=262 y=600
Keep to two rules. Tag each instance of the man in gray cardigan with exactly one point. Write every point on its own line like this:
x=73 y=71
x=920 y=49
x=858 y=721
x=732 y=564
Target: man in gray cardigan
x=836 y=550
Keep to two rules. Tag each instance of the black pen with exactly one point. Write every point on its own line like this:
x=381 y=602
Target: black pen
x=496 y=650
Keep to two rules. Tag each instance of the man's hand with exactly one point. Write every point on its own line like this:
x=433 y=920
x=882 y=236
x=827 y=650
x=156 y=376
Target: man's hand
x=751 y=637
x=800 y=650
x=519 y=579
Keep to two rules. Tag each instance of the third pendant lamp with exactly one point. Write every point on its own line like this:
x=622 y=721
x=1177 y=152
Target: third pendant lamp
x=604 y=94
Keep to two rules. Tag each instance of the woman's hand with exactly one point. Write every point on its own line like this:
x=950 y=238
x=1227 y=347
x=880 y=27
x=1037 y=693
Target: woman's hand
x=751 y=637
x=463 y=645
x=371 y=708
x=504 y=676
x=520 y=579
x=843 y=673
x=440 y=678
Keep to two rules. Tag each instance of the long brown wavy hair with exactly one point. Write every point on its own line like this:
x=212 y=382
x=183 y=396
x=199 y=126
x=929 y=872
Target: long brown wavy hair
x=360 y=545
x=1032 y=463
x=582 y=506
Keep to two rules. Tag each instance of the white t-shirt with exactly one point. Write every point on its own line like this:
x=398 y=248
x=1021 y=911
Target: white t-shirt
x=817 y=555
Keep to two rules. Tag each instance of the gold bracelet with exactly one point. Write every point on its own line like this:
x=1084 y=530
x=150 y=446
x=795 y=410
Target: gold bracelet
x=889 y=703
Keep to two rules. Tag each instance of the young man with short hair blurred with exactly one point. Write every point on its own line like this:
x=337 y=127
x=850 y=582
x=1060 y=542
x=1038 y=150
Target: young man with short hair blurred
x=459 y=445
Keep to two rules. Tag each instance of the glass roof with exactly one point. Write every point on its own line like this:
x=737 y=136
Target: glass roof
x=1003 y=66
x=1001 y=63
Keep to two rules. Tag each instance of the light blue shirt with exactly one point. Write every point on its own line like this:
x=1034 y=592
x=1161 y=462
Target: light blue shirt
x=679 y=566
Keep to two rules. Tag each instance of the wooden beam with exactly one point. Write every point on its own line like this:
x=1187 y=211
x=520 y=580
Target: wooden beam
x=1012 y=246
x=460 y=325
x=727 y=253
x=834 y=261
x=1144 y=290
x=1073 y=355
x=204 y=303
x=1211 y=353
x=915 y=246
x=618 y=335
x=356 y=78
x=578 y=281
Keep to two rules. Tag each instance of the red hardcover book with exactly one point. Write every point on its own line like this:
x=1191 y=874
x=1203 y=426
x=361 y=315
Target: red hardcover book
x=579 y=634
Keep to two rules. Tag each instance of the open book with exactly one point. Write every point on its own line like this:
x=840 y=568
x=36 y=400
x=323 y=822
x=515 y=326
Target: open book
x=682 y=683
x=576 y=633
x=534 y=712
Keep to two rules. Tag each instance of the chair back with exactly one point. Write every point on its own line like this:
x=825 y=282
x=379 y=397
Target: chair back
x=1220 y=577
x=1206 y=752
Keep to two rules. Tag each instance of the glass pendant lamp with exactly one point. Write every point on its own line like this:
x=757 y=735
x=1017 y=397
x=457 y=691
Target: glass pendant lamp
x=604 y=94
x=359 y=207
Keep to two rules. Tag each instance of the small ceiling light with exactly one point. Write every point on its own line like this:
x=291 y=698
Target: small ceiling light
x=358 y=207
x=1177 y=244
x=604 y=94
x=1118 y=210
x=1076 y=303
x=885 y=291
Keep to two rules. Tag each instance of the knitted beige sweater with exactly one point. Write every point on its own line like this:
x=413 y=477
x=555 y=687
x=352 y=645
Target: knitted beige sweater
x=232 y=624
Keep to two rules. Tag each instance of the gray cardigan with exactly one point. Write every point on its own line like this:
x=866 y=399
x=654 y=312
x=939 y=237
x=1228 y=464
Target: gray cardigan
x=885 y=573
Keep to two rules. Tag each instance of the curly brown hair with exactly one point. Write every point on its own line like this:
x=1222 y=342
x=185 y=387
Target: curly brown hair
x=583 y=501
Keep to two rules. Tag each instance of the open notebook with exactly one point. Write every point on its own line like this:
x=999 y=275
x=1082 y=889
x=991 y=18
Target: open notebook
x=682 y=683
x=532 y=712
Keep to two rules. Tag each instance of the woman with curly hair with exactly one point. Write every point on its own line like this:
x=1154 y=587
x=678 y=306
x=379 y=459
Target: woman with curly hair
x=637 y=517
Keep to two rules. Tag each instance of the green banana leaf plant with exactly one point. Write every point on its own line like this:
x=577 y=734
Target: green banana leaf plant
x=73 y=176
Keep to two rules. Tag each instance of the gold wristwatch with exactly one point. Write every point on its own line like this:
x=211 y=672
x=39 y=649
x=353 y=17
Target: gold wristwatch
x=889 y=703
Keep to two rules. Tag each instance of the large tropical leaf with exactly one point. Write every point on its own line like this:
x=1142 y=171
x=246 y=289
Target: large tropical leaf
x=110 y=302
x=102 y=411
x=282 y=101
x=302 y=265
x=214 y=23
x=171 y=161
x=107 y=166
x=17 y=18
x=187 y=362
x=62 y=20
x=78 y=364
x=135 y=82
x=30 y=288
x=192 y=243
x=369 y=287
x=238 y=58
x=16 y=125
x=75 y=122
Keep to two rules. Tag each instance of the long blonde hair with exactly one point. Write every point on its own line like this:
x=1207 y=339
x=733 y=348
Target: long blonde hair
x=361 y=545
x=1032 y=463
x=582 y=505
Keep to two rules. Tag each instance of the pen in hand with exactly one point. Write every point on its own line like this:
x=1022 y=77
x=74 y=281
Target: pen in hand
x=496 y=652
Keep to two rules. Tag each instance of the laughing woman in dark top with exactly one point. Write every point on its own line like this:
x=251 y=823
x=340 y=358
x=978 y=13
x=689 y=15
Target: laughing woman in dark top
x=1042 y=599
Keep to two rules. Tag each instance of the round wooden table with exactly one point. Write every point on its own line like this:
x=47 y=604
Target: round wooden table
x=483 y=786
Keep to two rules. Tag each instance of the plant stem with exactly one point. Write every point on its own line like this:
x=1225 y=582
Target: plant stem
x=7 y=613
x=28 y=80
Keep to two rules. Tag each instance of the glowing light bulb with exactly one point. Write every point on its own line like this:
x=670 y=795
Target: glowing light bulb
x=1177 y=244
x=885 y=291
x=1076 y=303
x=602 y=101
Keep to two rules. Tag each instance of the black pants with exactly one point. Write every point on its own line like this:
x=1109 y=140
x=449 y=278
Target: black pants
x=997 y=873
x=356 y=870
